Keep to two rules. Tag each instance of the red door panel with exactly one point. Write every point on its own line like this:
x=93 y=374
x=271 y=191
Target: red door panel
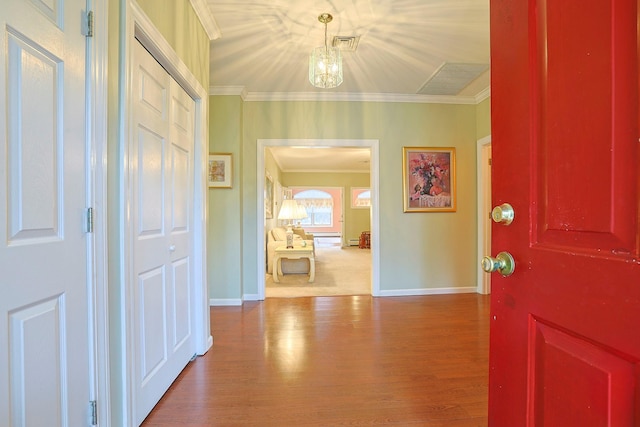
x=565 y=337
x=574 y=382
x=581 y=114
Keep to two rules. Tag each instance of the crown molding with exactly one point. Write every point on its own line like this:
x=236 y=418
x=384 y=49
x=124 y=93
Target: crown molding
x=483 y=94
x=206 y=19
x=324 y=171
x=359 y=97
x=342 y=96
x=229 y=90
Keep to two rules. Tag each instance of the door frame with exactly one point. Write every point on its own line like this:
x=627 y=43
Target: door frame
x=373 y=145
x=343 y=241
x=483 y=192
x=139 y=27
x=96 y=113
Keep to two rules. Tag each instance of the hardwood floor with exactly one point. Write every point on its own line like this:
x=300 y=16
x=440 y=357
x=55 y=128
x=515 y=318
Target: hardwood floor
x=338 y=361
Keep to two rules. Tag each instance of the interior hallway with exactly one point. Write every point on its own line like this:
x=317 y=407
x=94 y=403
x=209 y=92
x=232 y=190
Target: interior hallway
x=329 y=361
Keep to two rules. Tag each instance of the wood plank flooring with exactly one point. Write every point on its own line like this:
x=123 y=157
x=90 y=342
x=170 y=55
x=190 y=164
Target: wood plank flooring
x=338 y=361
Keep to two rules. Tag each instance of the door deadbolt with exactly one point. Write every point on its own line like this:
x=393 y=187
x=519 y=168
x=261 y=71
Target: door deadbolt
x=502 y=263
x=503 y=214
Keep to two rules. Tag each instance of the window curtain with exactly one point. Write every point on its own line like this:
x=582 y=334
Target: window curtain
x=316 y=203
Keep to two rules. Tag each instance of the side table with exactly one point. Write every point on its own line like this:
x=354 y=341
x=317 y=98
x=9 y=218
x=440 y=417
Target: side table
x=297 y=252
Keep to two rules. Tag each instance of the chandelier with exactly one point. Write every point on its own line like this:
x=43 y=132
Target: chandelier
x=325 y=63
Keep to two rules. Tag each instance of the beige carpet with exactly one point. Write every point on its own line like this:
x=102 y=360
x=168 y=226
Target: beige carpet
x=339 y=271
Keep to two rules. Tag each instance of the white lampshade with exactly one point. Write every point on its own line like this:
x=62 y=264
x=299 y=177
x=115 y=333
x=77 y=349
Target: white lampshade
x=302 y=212
x=290 y=210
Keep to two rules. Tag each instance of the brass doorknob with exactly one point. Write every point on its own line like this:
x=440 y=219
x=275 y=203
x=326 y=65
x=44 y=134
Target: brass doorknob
x=503 y=263
x=503 y=214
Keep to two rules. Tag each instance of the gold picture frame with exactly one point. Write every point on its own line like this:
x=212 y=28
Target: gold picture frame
x=429 y=179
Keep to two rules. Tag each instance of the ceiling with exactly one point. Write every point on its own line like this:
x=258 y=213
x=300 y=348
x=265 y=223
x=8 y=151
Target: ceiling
x=408 y=50
x=325 y=159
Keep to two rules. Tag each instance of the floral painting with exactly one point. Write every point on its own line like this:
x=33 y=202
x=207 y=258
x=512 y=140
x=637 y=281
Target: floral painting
x=429 y=179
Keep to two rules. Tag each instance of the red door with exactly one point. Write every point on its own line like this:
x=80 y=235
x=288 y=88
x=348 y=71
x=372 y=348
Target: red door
x=565 y=326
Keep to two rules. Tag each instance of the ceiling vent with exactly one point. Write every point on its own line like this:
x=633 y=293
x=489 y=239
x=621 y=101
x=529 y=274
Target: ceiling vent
x=346 y=43
x=450 y=79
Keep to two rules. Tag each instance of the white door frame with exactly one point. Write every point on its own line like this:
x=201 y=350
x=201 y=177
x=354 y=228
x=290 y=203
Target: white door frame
x=96 y=111
x=343 y=240
x=483 y=192
x=373 y=145
x=138 y=26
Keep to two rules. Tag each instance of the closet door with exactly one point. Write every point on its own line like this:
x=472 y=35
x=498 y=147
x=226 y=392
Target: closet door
x=162 y=201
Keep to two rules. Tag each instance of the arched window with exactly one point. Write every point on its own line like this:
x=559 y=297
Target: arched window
x=363 y=199
x=319 y=206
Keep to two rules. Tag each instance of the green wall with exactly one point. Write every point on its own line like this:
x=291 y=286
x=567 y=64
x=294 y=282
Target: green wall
x=483 y=119
x=225 y=204
x=180 y=26
x=418 y=251
x=178 y=23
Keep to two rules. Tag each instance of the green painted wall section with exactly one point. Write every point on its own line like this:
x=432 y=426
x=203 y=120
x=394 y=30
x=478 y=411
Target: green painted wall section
x=355 y=220
x=224 y=252
x=417 y=250
x=180 y=26
x=483 y=119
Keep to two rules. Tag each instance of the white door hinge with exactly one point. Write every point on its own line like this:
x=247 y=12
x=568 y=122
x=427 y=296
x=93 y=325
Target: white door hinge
x=87 y=24
x=93 y=408
x=90 y=220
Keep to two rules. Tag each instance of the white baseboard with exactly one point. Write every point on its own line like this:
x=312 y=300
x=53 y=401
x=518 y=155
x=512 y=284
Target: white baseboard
x=321 y=234
x=429 y=291
x=209 y=345
x=220 y=302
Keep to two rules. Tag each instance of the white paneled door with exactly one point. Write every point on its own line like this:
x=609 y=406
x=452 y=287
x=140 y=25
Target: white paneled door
x=162 y=200
x=44 y=256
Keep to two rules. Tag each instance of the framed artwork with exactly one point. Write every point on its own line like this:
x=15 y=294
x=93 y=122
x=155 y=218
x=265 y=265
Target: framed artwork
x=360 y=197
x=219 y=170
x=429 y=179
x=268 y=195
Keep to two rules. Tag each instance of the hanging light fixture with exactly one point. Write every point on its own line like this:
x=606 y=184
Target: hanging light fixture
x=325 y=63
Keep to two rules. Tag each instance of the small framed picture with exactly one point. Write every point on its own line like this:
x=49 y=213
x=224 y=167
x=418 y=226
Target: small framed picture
x=429 y=179
x=268 y=195
x=220 y=170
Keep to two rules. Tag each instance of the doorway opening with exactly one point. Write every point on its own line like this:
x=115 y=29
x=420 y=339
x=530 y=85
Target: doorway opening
x=484 y=211
x=372 y=145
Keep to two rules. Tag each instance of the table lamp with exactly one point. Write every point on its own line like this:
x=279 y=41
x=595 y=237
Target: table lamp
x=289 y=211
